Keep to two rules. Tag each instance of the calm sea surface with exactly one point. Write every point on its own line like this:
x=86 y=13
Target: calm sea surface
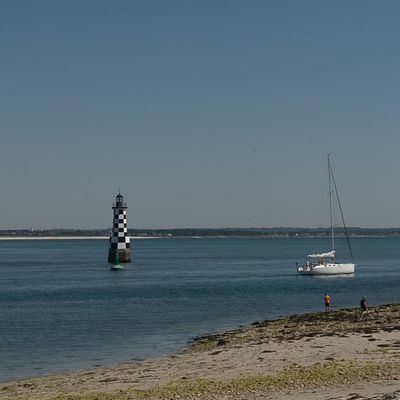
x=61 y=307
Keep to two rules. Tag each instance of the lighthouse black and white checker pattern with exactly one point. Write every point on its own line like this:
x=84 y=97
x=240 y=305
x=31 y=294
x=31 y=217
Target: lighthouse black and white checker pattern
x=119 y=240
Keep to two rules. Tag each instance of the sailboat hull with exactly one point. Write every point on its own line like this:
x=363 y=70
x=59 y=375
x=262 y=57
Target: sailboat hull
x=328 y=269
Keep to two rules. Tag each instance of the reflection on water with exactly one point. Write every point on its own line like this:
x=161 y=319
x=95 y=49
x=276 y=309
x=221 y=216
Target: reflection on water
x=344 y=276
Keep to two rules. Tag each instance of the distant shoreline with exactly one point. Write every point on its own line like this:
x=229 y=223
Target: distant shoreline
x=5 y=238
x=51 y=237
x=272 y=232
x=65 y=237
x=197 y=233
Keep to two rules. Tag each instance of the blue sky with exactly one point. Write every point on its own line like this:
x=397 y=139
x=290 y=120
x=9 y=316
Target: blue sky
x=204 y=113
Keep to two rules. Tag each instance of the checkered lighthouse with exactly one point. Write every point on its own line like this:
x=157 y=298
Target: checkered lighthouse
x=119 y=240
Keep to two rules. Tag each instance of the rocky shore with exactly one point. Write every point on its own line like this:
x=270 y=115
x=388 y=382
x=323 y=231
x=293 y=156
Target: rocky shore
x=332 y=355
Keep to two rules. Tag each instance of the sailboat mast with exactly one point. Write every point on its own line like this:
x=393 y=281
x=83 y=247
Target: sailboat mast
x=330 y=203
x=341 y=213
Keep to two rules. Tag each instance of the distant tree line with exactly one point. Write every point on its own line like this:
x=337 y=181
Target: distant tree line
x=205 y=232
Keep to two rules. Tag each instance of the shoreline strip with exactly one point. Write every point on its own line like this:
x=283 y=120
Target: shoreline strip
x=298 y=354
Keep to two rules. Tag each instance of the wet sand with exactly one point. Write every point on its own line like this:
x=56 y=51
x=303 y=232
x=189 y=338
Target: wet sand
x=332 y=355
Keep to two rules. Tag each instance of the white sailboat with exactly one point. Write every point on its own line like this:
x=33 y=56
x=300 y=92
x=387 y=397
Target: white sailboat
x=324 y=263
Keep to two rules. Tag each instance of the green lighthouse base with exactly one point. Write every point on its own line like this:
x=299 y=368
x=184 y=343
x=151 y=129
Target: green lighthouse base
x=124 y=256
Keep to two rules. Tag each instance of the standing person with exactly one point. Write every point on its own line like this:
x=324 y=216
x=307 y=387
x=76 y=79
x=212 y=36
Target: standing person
x=364 y=306
x=327 y=299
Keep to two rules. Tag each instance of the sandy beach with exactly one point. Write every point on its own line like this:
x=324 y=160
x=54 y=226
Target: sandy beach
x=332 y=355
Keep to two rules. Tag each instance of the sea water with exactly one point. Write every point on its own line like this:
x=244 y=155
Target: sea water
x=61 y=308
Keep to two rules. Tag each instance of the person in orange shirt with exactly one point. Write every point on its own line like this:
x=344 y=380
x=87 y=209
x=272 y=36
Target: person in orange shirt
x=327 y=299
